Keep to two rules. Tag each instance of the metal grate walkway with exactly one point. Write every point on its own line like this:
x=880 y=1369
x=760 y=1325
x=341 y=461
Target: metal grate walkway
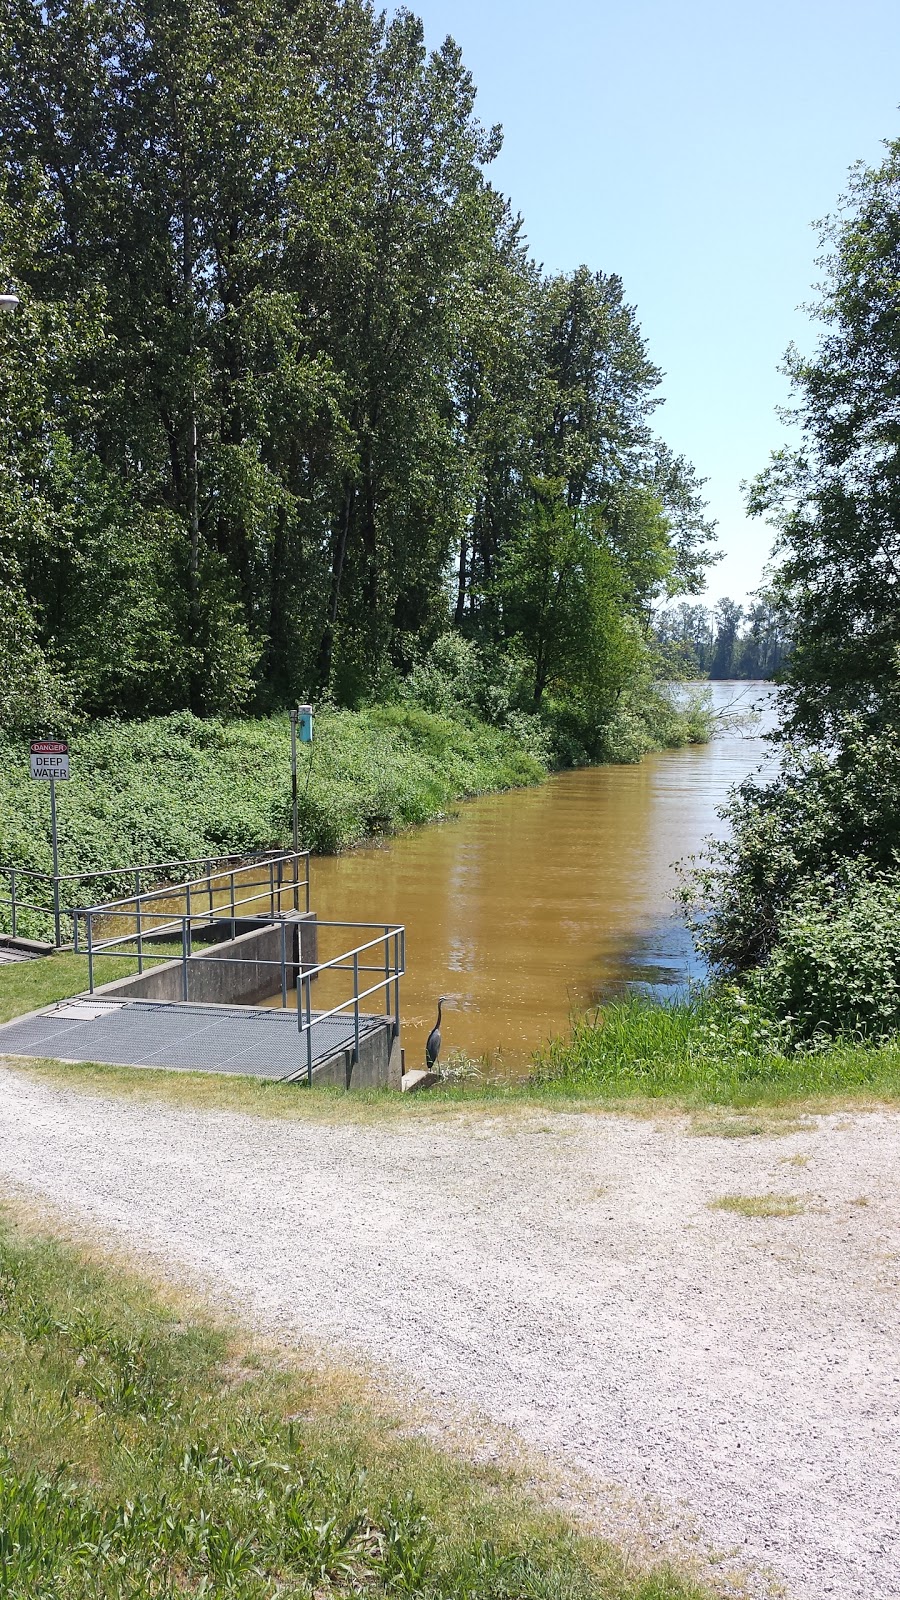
x=255 y=1042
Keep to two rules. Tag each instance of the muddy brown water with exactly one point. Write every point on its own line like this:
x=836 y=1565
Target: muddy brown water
x=529 y=906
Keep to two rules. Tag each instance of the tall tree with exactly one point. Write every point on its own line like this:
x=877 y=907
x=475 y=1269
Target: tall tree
x=835 y=500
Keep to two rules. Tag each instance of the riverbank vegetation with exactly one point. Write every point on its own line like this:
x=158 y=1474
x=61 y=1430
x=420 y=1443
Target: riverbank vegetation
x=182 y=787
x=288 y=401
x=717 y=1049
x=147 y=1451
x=797 y=908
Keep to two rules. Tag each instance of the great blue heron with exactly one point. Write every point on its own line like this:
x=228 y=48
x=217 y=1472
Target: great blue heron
x=433 y=1042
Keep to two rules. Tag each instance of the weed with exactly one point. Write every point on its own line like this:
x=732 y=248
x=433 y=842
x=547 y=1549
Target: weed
x=759 y=1205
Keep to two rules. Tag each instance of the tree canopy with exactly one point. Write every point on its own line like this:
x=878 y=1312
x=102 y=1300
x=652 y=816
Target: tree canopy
x=286 y=394
x=835 y=498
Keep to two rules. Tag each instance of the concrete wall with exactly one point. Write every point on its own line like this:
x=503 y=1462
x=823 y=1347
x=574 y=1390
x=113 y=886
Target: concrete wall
x=379 y=1065
x=239 y=971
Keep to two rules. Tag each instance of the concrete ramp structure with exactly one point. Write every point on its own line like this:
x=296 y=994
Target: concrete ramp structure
x=207 y=952
x=252 y=1041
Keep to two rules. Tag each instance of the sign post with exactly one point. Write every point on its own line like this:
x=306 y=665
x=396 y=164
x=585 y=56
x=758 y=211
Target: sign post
x=301 y=719
x=49 y=762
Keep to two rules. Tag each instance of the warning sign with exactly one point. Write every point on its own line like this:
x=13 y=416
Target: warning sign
x=49 y=759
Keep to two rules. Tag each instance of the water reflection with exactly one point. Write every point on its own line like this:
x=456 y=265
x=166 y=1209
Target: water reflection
x=530 y=905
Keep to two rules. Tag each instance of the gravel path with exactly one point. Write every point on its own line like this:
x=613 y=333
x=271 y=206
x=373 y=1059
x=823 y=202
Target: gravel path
x=566 y=1276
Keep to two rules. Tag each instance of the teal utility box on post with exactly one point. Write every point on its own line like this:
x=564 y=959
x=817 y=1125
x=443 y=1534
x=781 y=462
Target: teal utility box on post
x=305 y=724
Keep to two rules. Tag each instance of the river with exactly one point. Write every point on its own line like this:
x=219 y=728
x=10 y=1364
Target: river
x=529 y=906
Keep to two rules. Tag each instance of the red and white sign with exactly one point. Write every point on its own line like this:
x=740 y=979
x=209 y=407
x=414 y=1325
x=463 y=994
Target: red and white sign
x=49 y=759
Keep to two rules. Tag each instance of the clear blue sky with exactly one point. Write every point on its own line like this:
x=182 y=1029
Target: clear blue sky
x=689 y=148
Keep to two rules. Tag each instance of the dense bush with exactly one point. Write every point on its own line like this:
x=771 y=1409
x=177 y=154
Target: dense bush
x=460 y=677
x=800 y=835
x=836 y=968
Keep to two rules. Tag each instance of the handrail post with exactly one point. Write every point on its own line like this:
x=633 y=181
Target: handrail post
x=209 y=885
x=139 y=932
x=284 y=965
x=387 y=972
x=355 y=1008
x=309 y=1051
x=232 y=902
x=184 y=958
x=306 y=860
x=12 y=895
x=271 y=887
x=90 y=937
x=398 y=963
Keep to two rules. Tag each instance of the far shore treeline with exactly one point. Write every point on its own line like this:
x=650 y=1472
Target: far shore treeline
x=287 y=399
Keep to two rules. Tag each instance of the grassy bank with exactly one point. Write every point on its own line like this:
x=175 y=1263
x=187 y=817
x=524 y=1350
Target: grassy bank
x=701 y=1053
x=146 y=1452
x=178 y=787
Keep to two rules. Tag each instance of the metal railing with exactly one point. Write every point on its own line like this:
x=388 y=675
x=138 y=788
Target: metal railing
x=383 y=954
x=61 y=902
x=394 y=966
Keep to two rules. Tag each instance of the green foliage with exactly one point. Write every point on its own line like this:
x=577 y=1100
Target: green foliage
x=560 y=591
x=143 y=1453
x=242 y=466
x=808 y=832
x=835 y=970
x=721 y=1048
x=835 y=499
x=722 y=641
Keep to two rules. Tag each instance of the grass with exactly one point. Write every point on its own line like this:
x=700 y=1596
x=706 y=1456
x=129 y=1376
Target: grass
x=695 y=1053
x=760 y=1205
x=148 y=1452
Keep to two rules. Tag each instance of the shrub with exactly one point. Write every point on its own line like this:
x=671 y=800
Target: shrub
x=793 y=838
x=836 y=968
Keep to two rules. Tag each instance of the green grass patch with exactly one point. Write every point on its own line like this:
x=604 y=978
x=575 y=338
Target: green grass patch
x=147 y=1452
x=697 y=1053
x=28 y=985
x=760 y=1205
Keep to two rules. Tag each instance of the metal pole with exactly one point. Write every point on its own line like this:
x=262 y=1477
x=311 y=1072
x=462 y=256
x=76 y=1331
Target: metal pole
x=309 y=1052
x=56 y=922
x=184 y=954
x=283 y=965
x=398 y=962
x=12 y=895
x=387 y=971
x=138 y=930
x=296 y=820
x=90 y=935
x=355 y=1007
